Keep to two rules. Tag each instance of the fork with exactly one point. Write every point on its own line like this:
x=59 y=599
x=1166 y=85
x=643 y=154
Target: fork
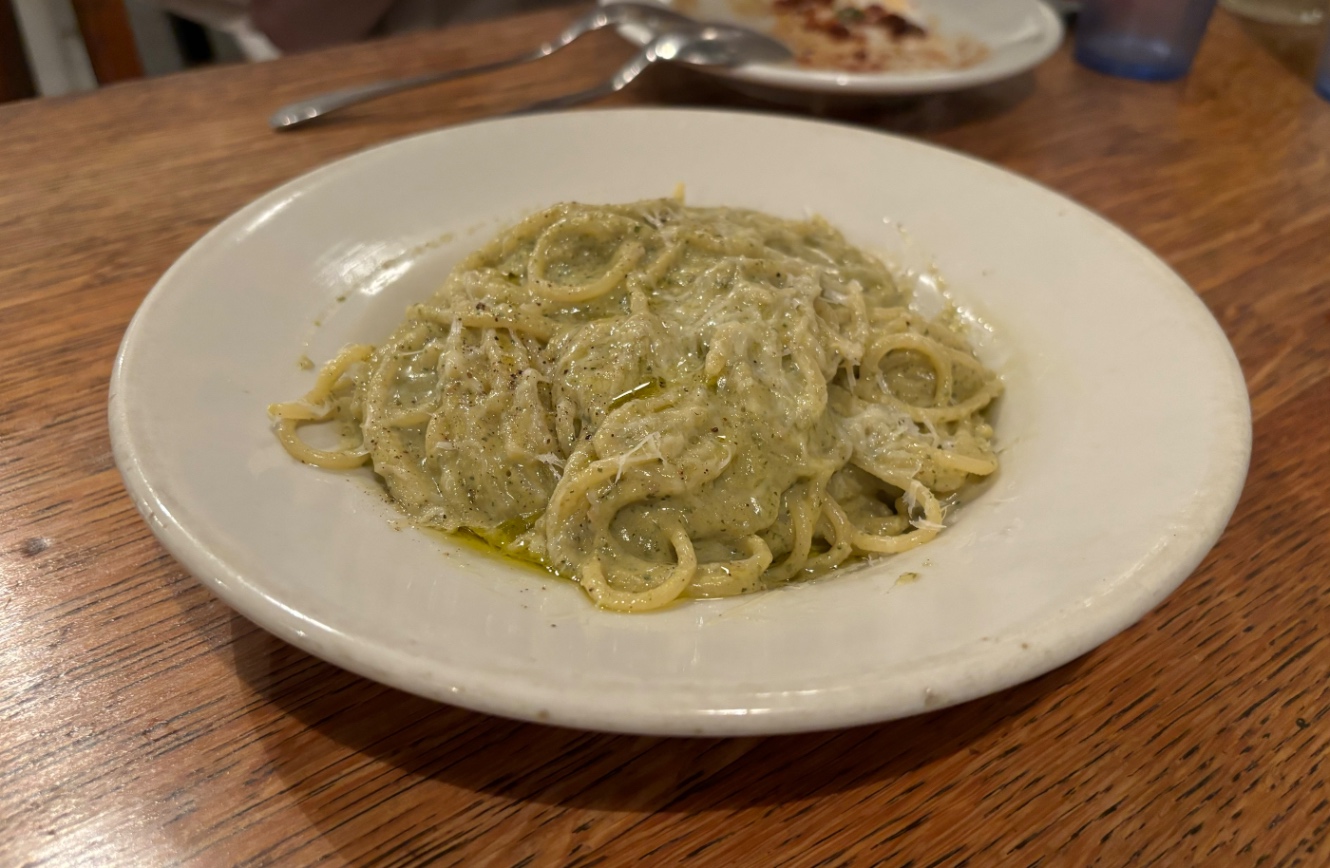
x=654 y=18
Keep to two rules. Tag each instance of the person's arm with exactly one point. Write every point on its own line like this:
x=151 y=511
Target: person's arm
x=297 y=25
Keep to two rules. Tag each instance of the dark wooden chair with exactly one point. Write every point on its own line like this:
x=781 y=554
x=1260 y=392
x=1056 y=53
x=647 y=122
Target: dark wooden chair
x=106 y=33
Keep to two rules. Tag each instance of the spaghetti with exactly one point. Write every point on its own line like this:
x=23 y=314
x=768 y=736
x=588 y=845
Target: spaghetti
x=659 y=402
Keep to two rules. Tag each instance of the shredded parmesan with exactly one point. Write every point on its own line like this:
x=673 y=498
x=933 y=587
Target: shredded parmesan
x=631 y=457
x=552 y=460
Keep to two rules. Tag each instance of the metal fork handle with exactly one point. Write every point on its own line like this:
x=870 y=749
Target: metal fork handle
x=298 y=113
x=615 y=83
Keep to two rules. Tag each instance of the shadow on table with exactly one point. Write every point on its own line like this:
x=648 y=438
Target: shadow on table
x=556 y=766
x=920 y=115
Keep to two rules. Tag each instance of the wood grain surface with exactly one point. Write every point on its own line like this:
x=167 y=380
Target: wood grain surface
x=143 y=722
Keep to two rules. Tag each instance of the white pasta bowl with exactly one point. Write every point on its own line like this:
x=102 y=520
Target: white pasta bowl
x=1125 y=433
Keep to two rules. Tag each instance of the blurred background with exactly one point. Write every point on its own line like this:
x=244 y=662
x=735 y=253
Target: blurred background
x=55 y=47
x=165 y=36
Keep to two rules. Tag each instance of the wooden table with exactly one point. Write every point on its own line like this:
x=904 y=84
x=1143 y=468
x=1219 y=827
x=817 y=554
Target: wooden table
x=143 y=722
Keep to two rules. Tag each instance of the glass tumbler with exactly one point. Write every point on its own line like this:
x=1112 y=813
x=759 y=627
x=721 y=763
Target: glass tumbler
x=1322 y=83
x=1278 y=11
x=1152 y=40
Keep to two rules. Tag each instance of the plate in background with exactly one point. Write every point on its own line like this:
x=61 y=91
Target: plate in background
x=1019 y=34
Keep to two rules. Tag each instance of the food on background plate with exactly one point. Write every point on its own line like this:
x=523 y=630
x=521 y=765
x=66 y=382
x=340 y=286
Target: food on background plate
x=863 y=36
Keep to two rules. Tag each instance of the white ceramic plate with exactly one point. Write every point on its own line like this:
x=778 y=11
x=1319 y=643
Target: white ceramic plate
x=1125 y=433
x=1020 y=35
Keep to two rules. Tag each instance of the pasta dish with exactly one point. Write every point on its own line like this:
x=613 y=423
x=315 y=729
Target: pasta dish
x=658 y=401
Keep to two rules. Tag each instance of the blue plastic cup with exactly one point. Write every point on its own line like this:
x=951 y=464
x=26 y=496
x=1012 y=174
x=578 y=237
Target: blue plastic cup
x=1152 y=40
x=1323 y=70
